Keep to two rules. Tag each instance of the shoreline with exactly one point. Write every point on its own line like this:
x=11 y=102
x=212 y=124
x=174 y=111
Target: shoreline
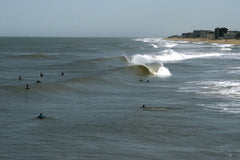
x=219 y=41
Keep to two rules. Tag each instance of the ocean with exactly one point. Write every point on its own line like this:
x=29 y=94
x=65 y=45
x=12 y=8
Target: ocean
x=191 y=93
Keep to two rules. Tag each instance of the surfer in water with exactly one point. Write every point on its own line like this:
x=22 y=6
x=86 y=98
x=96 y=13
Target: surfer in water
x=62 y=73
x=38 y=81
x=143 y=106
x=27 y=87
x=19 y=78
x=41 y=75
x=41 y=116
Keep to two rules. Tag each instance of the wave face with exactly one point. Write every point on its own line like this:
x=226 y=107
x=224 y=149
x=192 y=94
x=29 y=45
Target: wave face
x=136 y=92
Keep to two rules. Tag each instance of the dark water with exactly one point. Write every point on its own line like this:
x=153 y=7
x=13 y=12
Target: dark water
x=94 y=111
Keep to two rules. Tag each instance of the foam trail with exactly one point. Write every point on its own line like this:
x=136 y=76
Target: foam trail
x=170 y=45
x=154 y=45
x=171 y=55
x=148 y=40
x=226 y=89
x=222 y=45
x=167 y=56
x=157 y=42
x=226 y=49
x=142 y=59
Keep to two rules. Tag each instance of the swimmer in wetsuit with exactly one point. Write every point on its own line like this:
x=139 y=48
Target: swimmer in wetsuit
x=41 y=116
x=27 y=87
x=38 y=81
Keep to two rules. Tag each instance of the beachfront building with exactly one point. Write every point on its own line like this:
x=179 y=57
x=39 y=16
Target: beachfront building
x=220 y=33
x=203 y=34
x=232 y=35
x=187 y=35
x=199 y=34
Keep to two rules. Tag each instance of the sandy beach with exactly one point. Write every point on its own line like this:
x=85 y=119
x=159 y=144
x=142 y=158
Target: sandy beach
x=221 y=41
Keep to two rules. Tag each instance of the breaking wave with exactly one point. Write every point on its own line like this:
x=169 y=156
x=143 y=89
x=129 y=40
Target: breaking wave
x=33 y=56
x=168 y=56
x=149 y=40
x=158 y=42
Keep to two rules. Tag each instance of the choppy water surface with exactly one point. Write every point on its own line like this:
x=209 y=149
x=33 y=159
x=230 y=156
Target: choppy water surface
x=191 y=91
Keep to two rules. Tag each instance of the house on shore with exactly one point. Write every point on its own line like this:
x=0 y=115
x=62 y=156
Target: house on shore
x=232 y=35
x=199 y=34
x=219 y=33
x=203 y=34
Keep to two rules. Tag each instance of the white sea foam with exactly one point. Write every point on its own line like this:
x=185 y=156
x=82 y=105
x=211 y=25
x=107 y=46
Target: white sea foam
x=222 y=45
x=199 y=43
x=156 y=42
x=149 y=40
x=232 y=107
x=234 y=70
x=142 y=59
x=164 y=44
x=223 y=89
x=171 y=55
x=167 y=56
x=226 y=49
x=228 y=90
x=154 y=45
x=163 y=72
x=170 y=45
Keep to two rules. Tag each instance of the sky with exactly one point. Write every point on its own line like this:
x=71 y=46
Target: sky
x=115 y=18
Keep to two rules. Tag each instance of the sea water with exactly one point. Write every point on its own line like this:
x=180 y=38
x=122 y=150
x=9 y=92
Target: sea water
x=191 y=91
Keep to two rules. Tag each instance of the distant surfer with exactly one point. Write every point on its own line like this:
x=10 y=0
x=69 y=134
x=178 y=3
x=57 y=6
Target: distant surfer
x=140 y=80
x=41 y=75
x=41 y=116
x=143 y=106
x=19 y=78
x=38 y=81
x=147 y=81
x=62 y=73
x=27 y=87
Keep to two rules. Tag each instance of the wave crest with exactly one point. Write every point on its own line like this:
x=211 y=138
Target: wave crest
x=157 y=70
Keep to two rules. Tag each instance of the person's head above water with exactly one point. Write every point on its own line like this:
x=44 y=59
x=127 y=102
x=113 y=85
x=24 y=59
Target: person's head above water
x=27 y=87
x=38 y=81
x=41 y=116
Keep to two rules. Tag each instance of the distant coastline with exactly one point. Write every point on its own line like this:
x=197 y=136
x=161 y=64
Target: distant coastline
x=220 y=41
x=219 y=35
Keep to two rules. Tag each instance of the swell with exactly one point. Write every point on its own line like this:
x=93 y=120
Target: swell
x=80 y=82
x=96 y=64
x=86 y=72
x=34 y=56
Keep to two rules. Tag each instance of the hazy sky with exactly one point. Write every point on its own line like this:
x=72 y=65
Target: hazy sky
x=115 y=18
